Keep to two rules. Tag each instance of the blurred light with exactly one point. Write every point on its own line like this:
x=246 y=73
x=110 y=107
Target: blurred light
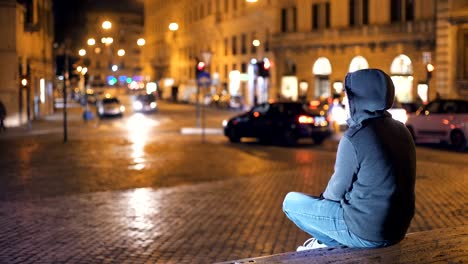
x=91 y=42
x=42 y=90
x=151 y=87
x=430 y=67
x=153 y=104
x=122 y=108
x=225 y=123
x=266 y=63
x=111 y=80
x=141 y=42
x=201 y=66
x=251 y=1
x=82 y=52
x=253 y=61
x=234 y=75
x=256 y=42
x=122 y=78
x=338 y=86
x=106 y=25
x=79 y=69
x=306 y=119
x=24 y=82
x=97 y=50
x=108 y=95
x=133 y=85
x=168 y=82
x=115 y=68
x=129 y=79
x=103 y=40
x=84 y=70
x=121 y=52
x=109 y=40
x=60 y=78
x=173 y=26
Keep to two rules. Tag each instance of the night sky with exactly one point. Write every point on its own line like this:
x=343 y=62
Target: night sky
x=69 y=15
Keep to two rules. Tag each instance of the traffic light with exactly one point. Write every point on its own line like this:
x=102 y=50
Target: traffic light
x=200 y=68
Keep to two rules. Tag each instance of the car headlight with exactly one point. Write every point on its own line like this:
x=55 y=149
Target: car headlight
x=137 y=105
x=122 y=108
x=153 y=105
x=225 y=122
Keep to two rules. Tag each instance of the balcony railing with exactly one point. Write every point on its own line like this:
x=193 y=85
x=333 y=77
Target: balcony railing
x=365 y=34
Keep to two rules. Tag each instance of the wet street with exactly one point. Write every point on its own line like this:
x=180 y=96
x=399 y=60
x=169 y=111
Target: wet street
x=137 y=190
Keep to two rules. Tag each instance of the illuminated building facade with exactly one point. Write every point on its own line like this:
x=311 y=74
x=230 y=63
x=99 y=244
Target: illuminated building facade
x=112 y=54
x=27 y=69
x=310 y=44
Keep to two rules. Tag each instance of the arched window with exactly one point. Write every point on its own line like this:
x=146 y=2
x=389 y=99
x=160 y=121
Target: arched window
x=401 y=65
x=322 y=66
x=358 y=63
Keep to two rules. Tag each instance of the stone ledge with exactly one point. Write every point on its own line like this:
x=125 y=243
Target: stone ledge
x=448 y=245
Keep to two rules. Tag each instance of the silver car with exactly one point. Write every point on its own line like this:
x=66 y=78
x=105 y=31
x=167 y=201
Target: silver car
x=109 y=107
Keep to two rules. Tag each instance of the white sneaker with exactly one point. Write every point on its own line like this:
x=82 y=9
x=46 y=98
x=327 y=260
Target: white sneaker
x=311 y=243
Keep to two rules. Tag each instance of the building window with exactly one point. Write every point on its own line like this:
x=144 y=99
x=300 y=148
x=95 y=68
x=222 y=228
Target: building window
x=320 y=16
x=284 y=20
x=234 y=67
x=294 y=19
x=243 y=67
x=226 y=6
x=243 y=44
x=209 y=7
x=267 y=41
x=226 y=46
x=327 y=15
x=401 y=10
x=226 y=72
x=234 y=45
x=315 y=16
x=358 y=12
x=234 y=5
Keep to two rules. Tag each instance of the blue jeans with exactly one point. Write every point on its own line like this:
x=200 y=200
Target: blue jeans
x=323 y=219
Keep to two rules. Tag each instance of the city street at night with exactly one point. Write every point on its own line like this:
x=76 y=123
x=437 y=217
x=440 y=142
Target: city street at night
x=136 y=189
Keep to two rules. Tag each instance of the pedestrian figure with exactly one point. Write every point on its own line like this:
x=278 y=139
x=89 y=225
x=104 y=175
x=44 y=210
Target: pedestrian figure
x=2 y=116
x=369 y=200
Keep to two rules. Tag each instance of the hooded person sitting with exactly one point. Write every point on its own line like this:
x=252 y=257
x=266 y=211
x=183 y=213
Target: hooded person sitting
x=369 y=200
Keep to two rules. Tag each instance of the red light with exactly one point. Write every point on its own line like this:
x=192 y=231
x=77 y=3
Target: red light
x=201 y=66
x=256 y=114
x=306 y=119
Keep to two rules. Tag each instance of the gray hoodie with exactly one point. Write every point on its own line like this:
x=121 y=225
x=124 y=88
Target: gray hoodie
x=375 y=166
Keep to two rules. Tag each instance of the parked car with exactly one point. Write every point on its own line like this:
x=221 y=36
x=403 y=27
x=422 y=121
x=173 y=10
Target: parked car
x=109 y=106
x=441 y=121
x=286 y=122
x=145 y=103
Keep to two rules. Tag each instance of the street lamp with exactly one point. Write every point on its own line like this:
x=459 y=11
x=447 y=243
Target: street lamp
x=91 y=42
x=106 y=25
x=82 y=52
x=173 y=26
x=141 y=42
x=121 y=52
x=256 y=42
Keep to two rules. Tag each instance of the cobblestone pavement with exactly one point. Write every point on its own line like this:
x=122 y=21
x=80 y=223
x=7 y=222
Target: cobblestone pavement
x=174 y=199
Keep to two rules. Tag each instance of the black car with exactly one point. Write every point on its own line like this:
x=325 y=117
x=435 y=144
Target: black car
x=285 y=122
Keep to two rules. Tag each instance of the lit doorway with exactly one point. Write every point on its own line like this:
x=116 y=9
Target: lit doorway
x=322 y=70
x=401 y=72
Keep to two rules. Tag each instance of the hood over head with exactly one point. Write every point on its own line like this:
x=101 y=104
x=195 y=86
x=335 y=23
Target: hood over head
x=370 y=92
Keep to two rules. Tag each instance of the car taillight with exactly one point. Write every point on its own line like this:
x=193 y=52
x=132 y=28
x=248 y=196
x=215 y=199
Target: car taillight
x=303 y=119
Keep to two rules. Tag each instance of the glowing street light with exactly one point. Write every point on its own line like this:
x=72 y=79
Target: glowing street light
x=173 y=26
x=121 y=52
x=24 y=82
x=115 y=68
x=251 y=1
x=82 y=52
x=141 y=42
x=79 y=69
x=91 y=42
x=84 y=70
x=106 y=25
x=256 y=42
